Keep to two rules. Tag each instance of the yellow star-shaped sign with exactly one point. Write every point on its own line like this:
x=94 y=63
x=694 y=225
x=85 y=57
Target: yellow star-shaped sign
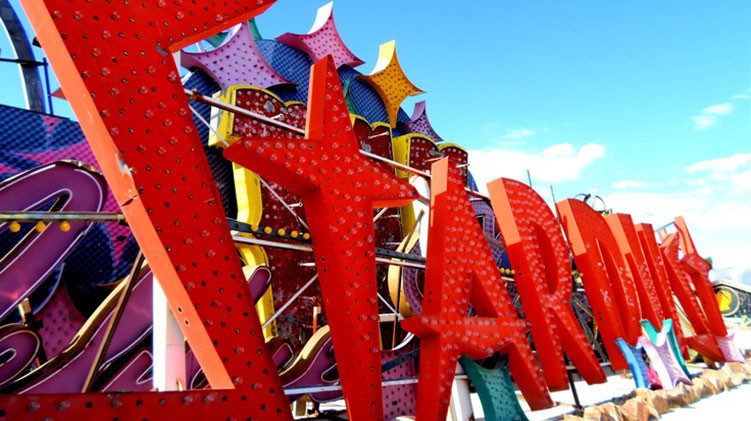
x=389 y=80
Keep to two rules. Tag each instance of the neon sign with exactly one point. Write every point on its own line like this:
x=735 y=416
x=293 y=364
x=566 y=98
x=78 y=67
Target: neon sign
x=113 y=61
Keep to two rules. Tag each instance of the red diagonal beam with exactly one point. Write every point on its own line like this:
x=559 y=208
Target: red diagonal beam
x=112 y=59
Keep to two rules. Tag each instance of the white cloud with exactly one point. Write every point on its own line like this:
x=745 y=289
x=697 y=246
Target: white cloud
x=719 y=109
x=743 y=95
x=720 y=229
x=709 y=115
x=560 y=162
x=717 y=208
x=703 y=122
x=655 y=208
x=734 y=170
x=628 y=184
x=727 y=164
x=518 y=134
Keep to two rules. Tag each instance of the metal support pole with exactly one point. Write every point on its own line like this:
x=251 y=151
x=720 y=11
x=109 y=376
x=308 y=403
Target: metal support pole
x=176 y=57
x=460 y=408
x=329 y=388
x=117 y=313
x=19 y=43
x=290 y=301
x=34 y=216
x=309 y=248
x=47 y=83
x=577 y=403
x=168 y=344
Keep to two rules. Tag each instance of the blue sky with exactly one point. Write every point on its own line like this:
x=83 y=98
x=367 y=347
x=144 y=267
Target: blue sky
x=645 y=103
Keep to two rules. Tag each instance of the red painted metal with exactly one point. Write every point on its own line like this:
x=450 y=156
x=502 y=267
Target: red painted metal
x=624 y=232
x=656 y=264
x=703 y=341
x=339 y=189
x=698 y=269
x=607 y=280
x=295 y=324
x=376 y=139
x=461 y=270
x=113 y=62
x=458 y=156
x=539 y=255
x=423 y=152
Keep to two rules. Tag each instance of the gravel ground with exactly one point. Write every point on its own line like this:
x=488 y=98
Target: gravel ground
x=734 y=404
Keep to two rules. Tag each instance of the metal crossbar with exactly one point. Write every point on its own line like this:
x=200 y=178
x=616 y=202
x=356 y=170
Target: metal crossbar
x=197 y=96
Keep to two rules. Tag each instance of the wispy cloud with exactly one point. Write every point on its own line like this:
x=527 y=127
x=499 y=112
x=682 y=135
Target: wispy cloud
x=719 y=109
x=560 y=162
x=518 y=134
x=734 y=170
x=709 y=115
x=703 y=122
x=729 y=163
x=628 y=184
x=743 y=95
x=716 y=207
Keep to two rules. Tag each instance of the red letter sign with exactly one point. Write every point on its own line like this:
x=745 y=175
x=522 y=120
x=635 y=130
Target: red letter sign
x=339 y=188
x=698 y=269
x=537 y=250
x=656 y=264
x=703 y=342
x=461 y=270
x=624 y=232
x=711 y=339
x=607 y=280
x=113 y=60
